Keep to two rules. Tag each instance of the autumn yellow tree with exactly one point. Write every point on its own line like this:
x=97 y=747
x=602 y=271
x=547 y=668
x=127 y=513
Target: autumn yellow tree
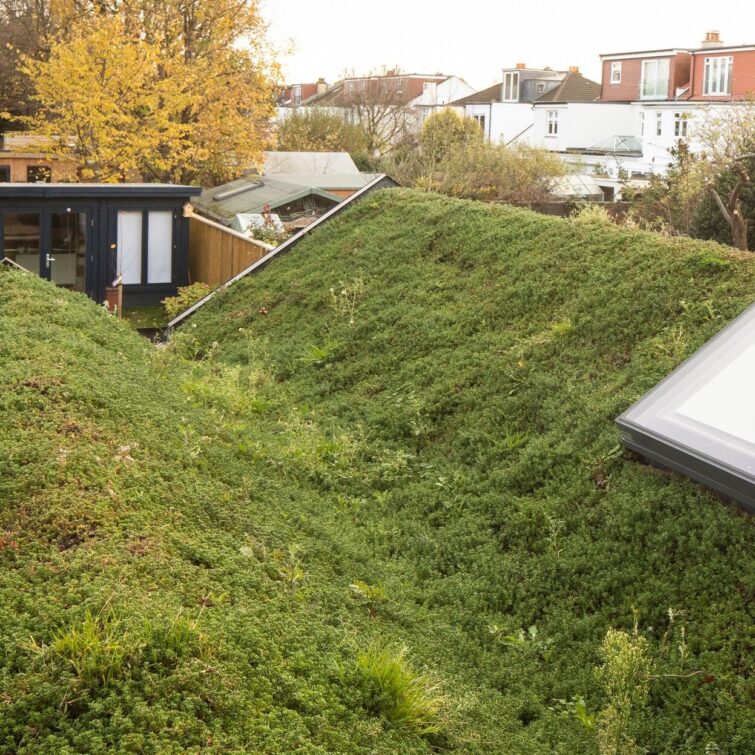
x=156 y=90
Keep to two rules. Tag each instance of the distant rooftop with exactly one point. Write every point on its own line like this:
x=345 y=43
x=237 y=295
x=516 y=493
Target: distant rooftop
x=279 y=164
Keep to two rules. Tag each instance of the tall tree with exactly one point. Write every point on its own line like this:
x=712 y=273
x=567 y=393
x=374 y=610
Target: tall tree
x=168 y=90
x=381 y=107
x=727 y=139
x=319 y=131
x=25 y=28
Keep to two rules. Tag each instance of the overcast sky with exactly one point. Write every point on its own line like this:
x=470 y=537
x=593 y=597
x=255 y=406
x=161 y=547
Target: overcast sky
x=474 y=39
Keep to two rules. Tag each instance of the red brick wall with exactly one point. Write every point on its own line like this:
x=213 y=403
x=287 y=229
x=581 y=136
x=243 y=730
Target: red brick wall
x=629 y=88
x=742 y=80
x=679 y=72
x=631 y=78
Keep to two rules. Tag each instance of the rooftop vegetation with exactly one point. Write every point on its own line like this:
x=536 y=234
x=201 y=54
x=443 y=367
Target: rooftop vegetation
x=372 y=499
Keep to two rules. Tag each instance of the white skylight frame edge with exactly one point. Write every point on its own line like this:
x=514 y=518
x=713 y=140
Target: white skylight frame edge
x=674 y=446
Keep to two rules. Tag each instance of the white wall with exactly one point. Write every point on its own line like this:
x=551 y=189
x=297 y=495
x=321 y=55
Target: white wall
x=504 y=121
x=582 y=125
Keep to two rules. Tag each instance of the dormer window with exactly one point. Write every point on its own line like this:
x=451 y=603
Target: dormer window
x=540 y=87
x=616 y=73
x=511 y=87
x=717 y=78
x=654 y=79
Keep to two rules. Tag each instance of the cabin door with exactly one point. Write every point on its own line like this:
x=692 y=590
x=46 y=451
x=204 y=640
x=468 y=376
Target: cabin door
x=53 y=243
x=65 y=246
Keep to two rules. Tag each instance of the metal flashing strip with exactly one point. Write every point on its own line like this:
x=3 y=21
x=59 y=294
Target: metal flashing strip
x=700 y=419
x=13 y=264
x=379 y=182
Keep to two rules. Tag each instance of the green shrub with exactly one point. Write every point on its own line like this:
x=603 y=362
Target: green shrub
x=186 y=296
x=394 y=690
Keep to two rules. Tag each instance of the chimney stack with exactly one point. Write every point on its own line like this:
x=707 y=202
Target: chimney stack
x=712 y=40
x=573 y=69
x=322 y=86
x=520 y=66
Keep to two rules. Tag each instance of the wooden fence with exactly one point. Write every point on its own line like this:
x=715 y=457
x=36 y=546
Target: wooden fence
x=217 y=253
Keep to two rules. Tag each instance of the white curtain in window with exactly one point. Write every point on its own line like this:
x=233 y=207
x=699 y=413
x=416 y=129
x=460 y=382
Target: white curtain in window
x=130 y=246
x=160 y=247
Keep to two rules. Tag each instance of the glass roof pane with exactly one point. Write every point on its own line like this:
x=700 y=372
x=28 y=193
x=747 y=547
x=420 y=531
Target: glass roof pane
x=700 y=420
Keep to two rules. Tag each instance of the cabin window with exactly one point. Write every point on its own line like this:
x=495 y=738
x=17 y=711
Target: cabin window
x=135 y=250
x=552 y=123
x=39 y=174
x=616 y=73
x=511 y=87
x=130 y=247
x=717 y=78
x=680 y=124
x=160 y=246
x=655 y=79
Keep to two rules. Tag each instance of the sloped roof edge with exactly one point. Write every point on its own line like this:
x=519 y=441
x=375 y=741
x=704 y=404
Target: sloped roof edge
x=382 y=181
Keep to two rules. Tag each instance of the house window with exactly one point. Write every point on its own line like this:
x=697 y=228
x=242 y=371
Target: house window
x=680 y=124
x=552 y=123
x=296 y=94
x=654 y=79
x=642 y=124
x=540 y=87
x=39 y=174
x=616 y=73
x=659 y=123
x=4 y=174
x=717 y=78
x=511 y=87
x=480 y=120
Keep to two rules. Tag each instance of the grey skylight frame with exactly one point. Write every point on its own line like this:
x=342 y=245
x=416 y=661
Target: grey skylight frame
x=654 y=427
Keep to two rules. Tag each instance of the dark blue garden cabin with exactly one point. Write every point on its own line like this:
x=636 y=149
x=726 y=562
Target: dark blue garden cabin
x=87 y=236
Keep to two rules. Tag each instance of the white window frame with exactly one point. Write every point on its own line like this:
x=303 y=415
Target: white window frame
x=659 y=123
x=616 y=72
x=480 y=121
x=655 y=71
x=552 y=123
x=511 y=86
x=680 y=124
x=642 y=124
x=713 y=70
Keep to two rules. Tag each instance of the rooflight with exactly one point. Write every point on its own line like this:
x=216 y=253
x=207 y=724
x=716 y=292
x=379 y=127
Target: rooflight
x=700 y=420
x=236 y=190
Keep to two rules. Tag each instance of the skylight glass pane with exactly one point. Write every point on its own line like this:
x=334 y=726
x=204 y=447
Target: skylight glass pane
x=718 y=404
x=700 y=420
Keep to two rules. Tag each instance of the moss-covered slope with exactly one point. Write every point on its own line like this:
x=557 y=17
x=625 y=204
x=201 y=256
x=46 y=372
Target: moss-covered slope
x=492 y=349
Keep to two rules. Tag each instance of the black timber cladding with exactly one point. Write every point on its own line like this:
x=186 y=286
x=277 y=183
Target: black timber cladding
x=101 y=203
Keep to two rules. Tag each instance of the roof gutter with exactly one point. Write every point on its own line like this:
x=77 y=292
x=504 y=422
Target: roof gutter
x=380 y=182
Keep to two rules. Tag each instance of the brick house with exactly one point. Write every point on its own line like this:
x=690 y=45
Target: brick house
x=383 y=99
x=22 y=162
